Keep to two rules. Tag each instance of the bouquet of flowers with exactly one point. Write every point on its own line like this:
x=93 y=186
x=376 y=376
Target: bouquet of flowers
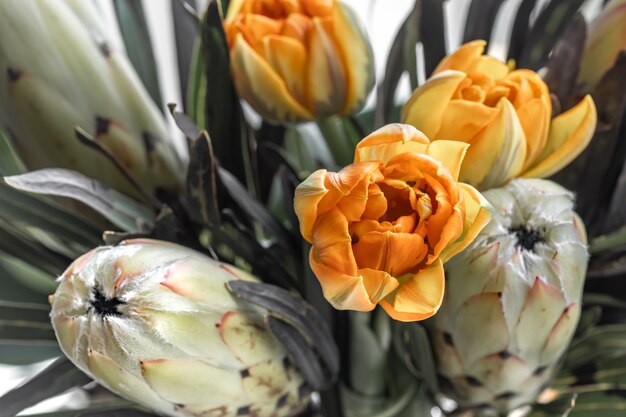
x=305 y=253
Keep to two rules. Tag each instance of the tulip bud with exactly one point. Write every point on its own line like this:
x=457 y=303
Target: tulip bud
x=505 y=115
x=382 y=227
x=297 y=60
x=512 y=299
x=153 y=322
x=606 y=38
x=57 y=73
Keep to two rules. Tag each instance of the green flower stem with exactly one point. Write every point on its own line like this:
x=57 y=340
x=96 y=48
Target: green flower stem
x=608 y=242
x=339 y=141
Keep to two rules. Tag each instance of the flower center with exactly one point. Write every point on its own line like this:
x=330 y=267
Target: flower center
x=103 y=305
x=527 y=238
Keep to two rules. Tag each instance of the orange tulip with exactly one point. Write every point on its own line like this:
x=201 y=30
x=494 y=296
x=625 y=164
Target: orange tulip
x=297 y=60
x=382 y=227
x=504 y=115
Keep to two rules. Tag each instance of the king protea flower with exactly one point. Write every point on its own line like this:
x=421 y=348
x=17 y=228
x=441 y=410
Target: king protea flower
x=512 y=299
x=57 y=73
x=382 y=228
x=505 y=114
x=296 y=60
x=153 y=322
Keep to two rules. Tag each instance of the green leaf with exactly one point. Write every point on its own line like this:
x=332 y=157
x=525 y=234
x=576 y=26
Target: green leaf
x=10 y=163
x=110 y=408
x=119 y=209
x=186 y=33
x=413 y=347
x=433 y=34
x=295 y=311
x=26 y=352
x=195 y=100
x=134 y=29
x=396 y=61
x=202 y=182
x=520 y=28
x=57 y=378
x=544 y=33
x=606 y=403
x=480 y=19
x=25 y=321
x=223 y=116
x=26 y=275
x=49 y=216
x=561 y=407
x=254 y=208
x=340 y=138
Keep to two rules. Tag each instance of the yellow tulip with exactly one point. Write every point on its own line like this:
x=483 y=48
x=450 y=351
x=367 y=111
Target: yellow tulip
x=297 y=60
x=606 y=38
x=504 y=115
x=382 y=227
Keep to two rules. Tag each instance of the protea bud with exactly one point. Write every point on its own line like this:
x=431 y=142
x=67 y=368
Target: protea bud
x=153 y=322
x=512 y=299
x=57 y=72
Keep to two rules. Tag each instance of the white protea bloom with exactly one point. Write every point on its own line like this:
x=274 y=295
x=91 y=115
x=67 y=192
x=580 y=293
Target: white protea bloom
x=59 y=72
x=512 y=299
x=153 y=322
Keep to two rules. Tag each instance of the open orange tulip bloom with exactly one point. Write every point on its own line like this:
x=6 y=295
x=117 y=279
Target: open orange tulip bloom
x=297 y=60
x=382 y=227
x=504 y=115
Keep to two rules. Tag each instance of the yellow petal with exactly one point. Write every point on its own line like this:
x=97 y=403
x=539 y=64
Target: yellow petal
x=325 y=73
x=261 y=86
x=287 y=57
x=356 y=50
x=478 y=213
x=234 y=6
x=419 y=297
x=378 y=284
x=570 y=133
x=450 y=153
x=492 y=66
x=498 y=153
x=534 y=117
x=464 y=119
x=428 y=103
x=463 y=59
x=307 y=197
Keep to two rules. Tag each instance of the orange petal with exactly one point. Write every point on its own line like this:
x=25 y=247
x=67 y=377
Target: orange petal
x=358 y=57
x=534 y=116
x=342 y=183
x=262 y=87
x=389 y=141
x=376 y=204
x=326 y=84
x=394 y=253
x=478 y=213
x=570 y=133
x=378 y=284
x=288 y=58
x=419 y=297
x=306 y=199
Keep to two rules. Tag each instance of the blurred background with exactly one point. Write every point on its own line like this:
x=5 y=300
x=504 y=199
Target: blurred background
x=382 y=19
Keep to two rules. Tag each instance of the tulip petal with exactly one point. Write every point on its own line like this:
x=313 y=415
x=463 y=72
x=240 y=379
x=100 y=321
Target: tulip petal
x=187 y=381
x=478 y=213
x=395 y=253
x=498 y=153
x=464 y=119
x=428 y=103
x=288 y=58
x=234 y=6
x=450 y=153
x=261 y=86
x=389 y=141
x=463 y=59
x=378 y=284
x=332 y=244
x=534 y=117
x=358 y=56
x=570 y=133
x=419 y=297
x=325 y=73
x=307 y=196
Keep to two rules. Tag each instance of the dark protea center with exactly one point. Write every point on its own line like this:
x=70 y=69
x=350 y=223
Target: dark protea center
x=527 y=238
x=103 y=305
